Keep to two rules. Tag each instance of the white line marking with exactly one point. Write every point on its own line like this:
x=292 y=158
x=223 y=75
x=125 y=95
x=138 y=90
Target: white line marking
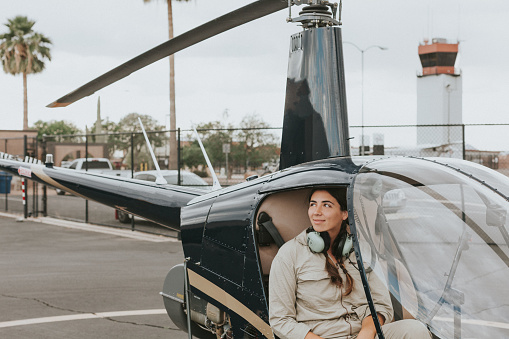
x=476 y=322
x=106 y=230
x=82 y=316
x=11 y=198
x=126 y=233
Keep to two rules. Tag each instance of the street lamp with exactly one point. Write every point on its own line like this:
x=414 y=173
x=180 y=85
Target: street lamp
x=362 y=85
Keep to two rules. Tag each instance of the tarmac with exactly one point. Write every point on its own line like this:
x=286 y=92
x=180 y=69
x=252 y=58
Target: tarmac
x=63 y=279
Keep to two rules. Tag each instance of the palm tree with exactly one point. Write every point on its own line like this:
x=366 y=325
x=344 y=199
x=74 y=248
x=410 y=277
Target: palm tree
x=173 y=118
x=22 y=51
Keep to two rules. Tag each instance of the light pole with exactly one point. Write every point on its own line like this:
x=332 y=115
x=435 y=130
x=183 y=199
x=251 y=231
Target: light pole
x=362 y=85
x=448 y=89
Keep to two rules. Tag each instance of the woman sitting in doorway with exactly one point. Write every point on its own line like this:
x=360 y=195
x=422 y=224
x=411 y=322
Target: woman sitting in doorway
x=316 y=291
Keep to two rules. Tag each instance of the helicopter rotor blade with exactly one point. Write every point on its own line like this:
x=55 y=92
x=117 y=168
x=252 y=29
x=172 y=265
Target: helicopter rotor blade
x=214 y=27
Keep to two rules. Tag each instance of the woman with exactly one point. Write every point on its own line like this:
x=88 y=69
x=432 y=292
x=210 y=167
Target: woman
x=320 y=295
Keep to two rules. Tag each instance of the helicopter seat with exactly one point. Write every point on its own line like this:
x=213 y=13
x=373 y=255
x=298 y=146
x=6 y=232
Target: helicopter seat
x=288 y=213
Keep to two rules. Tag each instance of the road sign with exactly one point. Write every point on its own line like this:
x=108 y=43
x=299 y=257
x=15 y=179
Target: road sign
x=226 y=148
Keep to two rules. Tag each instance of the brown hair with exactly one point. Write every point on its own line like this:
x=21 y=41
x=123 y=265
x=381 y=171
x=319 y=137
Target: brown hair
x=340 y=195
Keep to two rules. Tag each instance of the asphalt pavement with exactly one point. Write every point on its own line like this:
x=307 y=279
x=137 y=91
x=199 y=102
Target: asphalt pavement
x=62 y=279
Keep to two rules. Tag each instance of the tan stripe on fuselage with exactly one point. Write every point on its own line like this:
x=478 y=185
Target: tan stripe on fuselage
x=39 y=171
x=229 y=301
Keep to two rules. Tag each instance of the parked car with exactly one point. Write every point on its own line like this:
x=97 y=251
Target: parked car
x=394 y=200
x=171 y=176
x=186 y=178
x=95 y=165
x=65 y=164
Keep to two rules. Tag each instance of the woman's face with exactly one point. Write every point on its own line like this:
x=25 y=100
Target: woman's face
x=325 y=213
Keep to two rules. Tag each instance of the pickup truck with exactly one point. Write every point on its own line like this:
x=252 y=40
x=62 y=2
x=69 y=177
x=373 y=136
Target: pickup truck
x=94 y=165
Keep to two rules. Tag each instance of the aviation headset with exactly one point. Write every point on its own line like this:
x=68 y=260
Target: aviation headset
x=320 y=242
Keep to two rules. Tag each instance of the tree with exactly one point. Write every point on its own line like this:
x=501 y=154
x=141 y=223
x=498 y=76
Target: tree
x=108 y=127
x=111 y=129
x=214 y=134
x=256 y=144
x=173 y=118
x=130 y=123
x=192 y=156
x=250 y=146
x=54 y=127
x=22 y=51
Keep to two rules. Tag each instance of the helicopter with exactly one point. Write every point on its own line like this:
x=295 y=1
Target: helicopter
x=444 y=256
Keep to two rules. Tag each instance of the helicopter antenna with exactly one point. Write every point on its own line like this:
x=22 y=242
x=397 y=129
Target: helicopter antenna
x=160 y=180
x=215 y=182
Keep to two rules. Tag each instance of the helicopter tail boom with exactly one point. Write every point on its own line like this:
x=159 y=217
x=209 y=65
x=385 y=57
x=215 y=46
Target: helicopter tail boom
x=157 y=203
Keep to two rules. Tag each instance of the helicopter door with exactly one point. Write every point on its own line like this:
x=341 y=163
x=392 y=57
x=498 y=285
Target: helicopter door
x=374 y=233
x=444 y=253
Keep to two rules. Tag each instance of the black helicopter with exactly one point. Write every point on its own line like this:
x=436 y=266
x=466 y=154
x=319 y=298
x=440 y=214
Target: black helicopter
x=444 y=255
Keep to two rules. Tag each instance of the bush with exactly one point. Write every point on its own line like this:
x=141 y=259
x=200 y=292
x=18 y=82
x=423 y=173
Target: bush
x=201 y=174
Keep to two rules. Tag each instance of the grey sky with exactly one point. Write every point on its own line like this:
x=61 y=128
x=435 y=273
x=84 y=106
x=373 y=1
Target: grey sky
x=244 y=70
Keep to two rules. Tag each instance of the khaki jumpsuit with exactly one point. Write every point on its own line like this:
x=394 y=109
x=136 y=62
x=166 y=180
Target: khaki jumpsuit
x=302 y=298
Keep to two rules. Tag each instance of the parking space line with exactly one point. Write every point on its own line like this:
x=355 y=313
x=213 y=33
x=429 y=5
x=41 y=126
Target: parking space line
x=82 y=316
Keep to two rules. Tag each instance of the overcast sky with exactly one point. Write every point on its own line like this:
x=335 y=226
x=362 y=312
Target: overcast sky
x=244 y=70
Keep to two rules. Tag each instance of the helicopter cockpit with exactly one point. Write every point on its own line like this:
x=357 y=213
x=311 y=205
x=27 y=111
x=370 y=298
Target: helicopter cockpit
x=443 y=253
x=451 y=239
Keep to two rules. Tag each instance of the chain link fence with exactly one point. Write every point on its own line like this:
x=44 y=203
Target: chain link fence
x=485 y=144
x=235 y=154
x=14 y=190
x=409 y=140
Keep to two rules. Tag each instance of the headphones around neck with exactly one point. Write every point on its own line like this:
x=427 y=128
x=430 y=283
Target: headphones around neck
x=320 y=242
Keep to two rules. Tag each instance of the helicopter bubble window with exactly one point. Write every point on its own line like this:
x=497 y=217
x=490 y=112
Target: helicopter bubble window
x=492 y=178
x=440 y=243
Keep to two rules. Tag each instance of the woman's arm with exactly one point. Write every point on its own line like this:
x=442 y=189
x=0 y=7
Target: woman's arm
x=282 y=298
x=381 y=297
x=368 y=329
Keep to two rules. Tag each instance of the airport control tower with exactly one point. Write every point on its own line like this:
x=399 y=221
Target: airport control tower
x=439 y=93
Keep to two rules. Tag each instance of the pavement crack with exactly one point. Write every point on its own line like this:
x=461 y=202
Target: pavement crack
x=82 y=312
x=140 y=324
x=43 y=302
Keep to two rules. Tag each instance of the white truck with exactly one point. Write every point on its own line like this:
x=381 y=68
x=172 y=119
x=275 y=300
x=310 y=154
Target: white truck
x=94 y=165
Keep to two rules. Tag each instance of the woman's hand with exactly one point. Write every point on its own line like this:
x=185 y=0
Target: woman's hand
x=366 y=334
x=368 y=329
x=311 y=335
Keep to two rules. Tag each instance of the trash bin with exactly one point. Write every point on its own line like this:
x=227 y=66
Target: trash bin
x=5 y=182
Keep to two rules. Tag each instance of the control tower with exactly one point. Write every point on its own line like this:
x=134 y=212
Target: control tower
x=439 y=93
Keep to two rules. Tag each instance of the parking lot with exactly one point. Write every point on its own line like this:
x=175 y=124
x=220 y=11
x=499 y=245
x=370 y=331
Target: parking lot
x=68 y=280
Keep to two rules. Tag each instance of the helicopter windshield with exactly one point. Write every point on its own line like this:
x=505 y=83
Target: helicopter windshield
x=439 y=239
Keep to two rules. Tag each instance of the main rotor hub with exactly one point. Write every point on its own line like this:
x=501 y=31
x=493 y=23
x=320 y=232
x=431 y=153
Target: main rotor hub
x=316 y=14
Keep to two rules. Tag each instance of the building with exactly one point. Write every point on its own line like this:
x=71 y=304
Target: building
x=439 y=94
x=13 y=142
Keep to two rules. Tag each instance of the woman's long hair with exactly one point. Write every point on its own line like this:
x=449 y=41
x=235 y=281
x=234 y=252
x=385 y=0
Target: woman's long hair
x=340 y=196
